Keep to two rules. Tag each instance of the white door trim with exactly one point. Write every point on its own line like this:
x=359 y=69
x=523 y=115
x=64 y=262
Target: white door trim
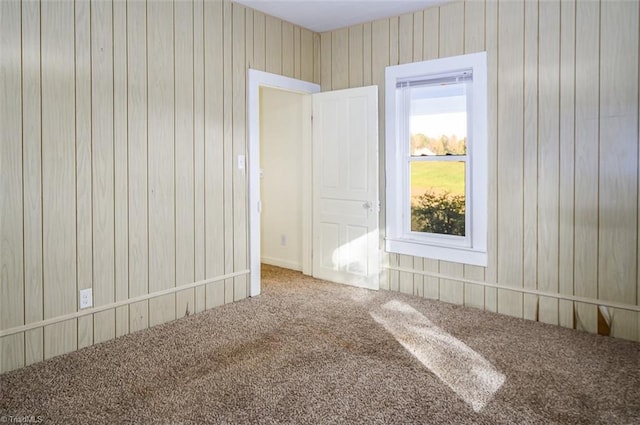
x=257 y=79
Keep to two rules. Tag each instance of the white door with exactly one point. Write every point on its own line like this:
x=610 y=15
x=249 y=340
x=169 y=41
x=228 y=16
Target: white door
x=345 y=187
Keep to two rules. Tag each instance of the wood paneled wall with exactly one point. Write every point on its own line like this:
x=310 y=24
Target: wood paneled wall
x=121 y=126
x=563 y=150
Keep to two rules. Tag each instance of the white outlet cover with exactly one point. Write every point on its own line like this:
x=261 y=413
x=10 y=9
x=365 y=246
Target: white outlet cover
x=86 y=298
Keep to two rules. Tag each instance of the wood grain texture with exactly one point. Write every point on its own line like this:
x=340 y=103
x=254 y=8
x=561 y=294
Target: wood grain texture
x=618 y=183
x=184 y=157
x=326 y=53
x=213 y=132
x=451 y=40
x=102 y=159
x=418 y=35
x=306 y=55
x=366 y=54
x=239 y=147
x=32 y=174
x=161 y=166
x=491 y=40
x=567 y=166
x=120 y=164
x=530 y=171
x=405 y=280
x=198 y=146
x=273 y=47
x=228 y=164
x=405 y=38
x=288 y=55
x=11 y=172
x=84 y=183
x=356 y=52
x=259 y=41
x=474 y=19
x=509 y=156
x=586 y=163
x=452 y=27
x=548 y=158
x=58 y=174
x=138 y=146
x=431 y=33
x=340 y=59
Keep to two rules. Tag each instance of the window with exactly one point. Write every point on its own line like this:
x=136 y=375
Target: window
x=436 y=159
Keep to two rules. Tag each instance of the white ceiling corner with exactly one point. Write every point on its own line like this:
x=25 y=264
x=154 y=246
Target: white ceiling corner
x=327 y=15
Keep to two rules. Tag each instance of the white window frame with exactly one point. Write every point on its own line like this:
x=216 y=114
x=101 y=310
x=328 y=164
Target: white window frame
x=472 y=248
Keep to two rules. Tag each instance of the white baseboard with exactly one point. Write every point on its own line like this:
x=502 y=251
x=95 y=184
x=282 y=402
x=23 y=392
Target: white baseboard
x=285 y=264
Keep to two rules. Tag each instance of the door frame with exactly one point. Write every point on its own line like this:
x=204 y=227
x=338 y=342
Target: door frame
x=257 y=79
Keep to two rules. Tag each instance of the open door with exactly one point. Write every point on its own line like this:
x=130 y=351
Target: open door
x=345 y=187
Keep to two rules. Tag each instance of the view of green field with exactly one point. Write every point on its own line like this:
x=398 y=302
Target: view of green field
x=444 y=176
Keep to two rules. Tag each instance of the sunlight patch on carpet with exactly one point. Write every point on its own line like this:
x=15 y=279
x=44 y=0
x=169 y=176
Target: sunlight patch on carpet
x=465 y=371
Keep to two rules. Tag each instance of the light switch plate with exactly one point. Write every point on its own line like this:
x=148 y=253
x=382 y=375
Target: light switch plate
x=86 y=298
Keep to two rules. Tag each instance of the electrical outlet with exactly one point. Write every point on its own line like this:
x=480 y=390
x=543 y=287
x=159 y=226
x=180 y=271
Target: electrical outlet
x=86 y=298
x=283 y=240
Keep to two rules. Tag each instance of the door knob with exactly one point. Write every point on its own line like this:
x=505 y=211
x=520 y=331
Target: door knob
x=366 y=205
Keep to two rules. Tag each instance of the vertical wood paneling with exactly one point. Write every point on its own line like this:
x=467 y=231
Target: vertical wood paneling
x=430 y=33
x=418 y=35
x=326 y=52
x=355 y=66
x=451 y=40
x=366 y=54
x=228 y=164
x=340 y=59
x=273 y=53
x=120 y=165
x=567 y=149
x=530 y=171
x=138 y=143
x=288 y=55
x=240 y=217
x=102 y=149
x=548 y=158
x=316 y=59
x=184 y=157
x=618 y=184
x=213 y=133
x=510 y=154
x=405 y=279
x=84 y=202
x=259 y=41
x=162 y=237
x=586 y=163
x=474 y=20
x=11 y=163
x=58 y=174
x=199 y=157
x=306 y=55
x=405 y=38
x=32 y=175
x=452 y=27
x=491 y=35
x=297 y=52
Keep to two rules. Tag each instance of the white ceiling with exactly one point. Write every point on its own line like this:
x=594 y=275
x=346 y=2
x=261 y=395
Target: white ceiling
x=327 y=15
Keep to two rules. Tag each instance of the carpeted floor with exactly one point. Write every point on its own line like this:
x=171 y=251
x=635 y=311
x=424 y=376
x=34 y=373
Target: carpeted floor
x=307 y=351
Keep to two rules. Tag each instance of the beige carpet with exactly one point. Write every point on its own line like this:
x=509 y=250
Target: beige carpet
x=307 y=351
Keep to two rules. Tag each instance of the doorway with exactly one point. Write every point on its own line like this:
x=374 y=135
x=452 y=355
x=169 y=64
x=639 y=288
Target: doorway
x=257 y=80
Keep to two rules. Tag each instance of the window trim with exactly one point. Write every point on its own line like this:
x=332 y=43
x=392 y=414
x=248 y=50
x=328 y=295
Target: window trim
x=471 y=250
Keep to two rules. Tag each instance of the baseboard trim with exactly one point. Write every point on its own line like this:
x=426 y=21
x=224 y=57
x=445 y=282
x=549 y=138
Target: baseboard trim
x=610 y=304
x=281 y=263
x=89 y=311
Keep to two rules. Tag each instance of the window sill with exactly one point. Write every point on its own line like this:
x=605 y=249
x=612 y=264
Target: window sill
x=454 y=254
